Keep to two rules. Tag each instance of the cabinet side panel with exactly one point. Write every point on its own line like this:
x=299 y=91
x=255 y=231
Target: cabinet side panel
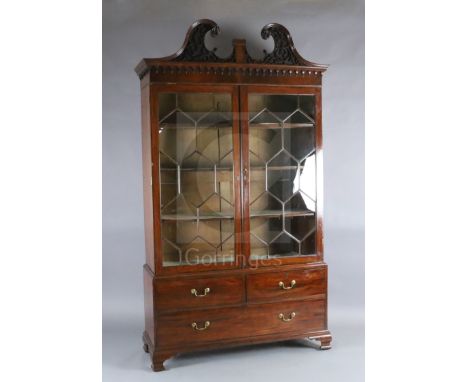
x=149 y=303
x=147 y=164
x=147 y=187
x=319 y=172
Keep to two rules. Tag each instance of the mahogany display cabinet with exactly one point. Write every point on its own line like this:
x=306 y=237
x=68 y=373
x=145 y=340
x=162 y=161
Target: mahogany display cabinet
x=232 y=163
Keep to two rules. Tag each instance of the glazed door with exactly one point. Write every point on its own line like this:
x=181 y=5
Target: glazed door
x=196 y=160
x=281 y=165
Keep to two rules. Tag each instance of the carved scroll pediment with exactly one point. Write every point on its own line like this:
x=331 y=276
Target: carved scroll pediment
x=284 y=51
x=195 y=50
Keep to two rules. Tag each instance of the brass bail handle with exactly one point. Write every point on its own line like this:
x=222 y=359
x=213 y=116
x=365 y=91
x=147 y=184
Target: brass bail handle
x=283 y=318
x=195 y=292
x=195 y=326
x=281 y=285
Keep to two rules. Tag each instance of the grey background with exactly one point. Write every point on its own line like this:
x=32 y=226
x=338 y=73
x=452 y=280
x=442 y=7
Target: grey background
x=324 y=31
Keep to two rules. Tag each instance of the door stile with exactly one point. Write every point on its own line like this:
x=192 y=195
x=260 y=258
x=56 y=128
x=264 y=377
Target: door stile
x=236 y=126
x=154 y=112
x=244 y=118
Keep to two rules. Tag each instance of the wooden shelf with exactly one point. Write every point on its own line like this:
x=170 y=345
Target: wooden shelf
x=278 y=125
x=195 y=169
x=279 y=213
x=213 y=259
x=277 y=256
x=227 y=257
x=253 y=214
x=256 y=254
x=254 y=168
x=276 y=168
x=211 y=216
x=260 y=254
x=178 y=126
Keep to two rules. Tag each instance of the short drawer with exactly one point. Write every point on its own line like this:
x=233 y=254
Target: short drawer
x=275 y=286
x=198 y=292
x=210 y=325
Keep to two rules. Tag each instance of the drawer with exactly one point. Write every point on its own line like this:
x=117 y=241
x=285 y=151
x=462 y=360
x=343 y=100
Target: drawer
x=275 y=286
x=200 y=326
x=198 y=292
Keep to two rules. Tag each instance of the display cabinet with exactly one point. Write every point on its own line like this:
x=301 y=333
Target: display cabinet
x=232 y=180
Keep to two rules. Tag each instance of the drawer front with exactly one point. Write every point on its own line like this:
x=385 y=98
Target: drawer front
x=193 y=327
x=199 y=292
x=275 y=286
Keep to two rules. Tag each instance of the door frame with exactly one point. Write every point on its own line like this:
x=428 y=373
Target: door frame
x=245 y=90
x=233 y=90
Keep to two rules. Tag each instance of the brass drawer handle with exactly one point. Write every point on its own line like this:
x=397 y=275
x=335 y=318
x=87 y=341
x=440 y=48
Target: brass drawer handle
x=281 y=285
x=195 y=326
x=291 y=316
x=205 y=292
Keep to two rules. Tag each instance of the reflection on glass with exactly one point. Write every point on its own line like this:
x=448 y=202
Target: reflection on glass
x=282 y=175
x=196 y=178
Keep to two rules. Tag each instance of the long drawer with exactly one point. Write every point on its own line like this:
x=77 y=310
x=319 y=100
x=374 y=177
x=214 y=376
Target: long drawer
x=198 y=292
x=286 y=285
x=200 y=326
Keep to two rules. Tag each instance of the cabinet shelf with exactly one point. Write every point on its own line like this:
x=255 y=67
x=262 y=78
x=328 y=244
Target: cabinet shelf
x=195 y=169
x=210 y=216
x=254 y=168
x=177 y=126
x=279 y=213
x=279 y=126
x=259 y=254
x=173 y=126
x=206 y=258
x=253 y=214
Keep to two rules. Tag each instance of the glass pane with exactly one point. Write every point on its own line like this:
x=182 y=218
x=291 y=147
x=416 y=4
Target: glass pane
x=282 y=175
x=196 y=178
